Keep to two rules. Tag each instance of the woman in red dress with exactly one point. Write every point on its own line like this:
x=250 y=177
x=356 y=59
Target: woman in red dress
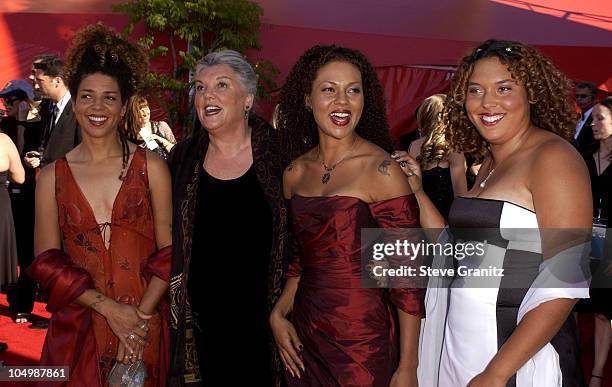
x=107 y=203
x=333 y=126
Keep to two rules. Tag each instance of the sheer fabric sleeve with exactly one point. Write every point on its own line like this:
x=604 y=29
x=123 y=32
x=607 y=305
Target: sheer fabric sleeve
x=393 y=215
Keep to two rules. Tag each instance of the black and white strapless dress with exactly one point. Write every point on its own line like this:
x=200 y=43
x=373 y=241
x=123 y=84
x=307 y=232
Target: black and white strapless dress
x=483 y=311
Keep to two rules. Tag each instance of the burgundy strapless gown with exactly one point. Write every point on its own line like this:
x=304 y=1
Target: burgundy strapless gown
x=349 y=333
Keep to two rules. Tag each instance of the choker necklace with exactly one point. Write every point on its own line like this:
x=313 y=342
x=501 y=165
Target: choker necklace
x=327 y=174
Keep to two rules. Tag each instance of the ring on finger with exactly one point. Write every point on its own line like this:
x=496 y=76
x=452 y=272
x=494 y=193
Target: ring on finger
x=131 y=336
x=403 y=163
x=143 y=326
x=410 y=174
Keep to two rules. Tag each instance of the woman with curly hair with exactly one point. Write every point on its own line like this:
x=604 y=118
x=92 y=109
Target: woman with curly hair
x=153 y=135
x=107 y=204
x=444 y=175
x=341 y=179
x=510 y=104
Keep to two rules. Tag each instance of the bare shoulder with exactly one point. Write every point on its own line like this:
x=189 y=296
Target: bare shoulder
x=456 y=158
x=384 y=177
x=293 y=173
x=556 y=154
x=559 y=185
x=155 y=164
x=153 y=159
x=46 y=178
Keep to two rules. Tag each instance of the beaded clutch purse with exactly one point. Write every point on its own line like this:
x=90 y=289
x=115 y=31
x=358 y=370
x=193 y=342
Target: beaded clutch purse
x=129 y=375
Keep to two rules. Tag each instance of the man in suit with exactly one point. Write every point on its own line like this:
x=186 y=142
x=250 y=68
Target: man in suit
x=60 y=133
x=585 y=99
x=60 y=129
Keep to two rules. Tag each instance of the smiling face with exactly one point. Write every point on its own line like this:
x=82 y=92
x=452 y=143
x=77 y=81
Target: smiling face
x=602 y=122
x=145 y=115
x=495 y=103
x=221 y=99
x=336 y=98
x=97 y=106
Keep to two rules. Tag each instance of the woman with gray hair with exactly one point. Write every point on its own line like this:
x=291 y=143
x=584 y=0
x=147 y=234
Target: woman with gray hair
x=230 y=234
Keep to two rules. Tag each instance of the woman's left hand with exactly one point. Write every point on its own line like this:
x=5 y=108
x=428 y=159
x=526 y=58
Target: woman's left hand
x=404 y=377
x=486 y=379
x=125 y=357
x=411 y=168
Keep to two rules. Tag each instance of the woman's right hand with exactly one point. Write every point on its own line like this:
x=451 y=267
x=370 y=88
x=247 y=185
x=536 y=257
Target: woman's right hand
x=411 y=168
x=288 y=343
x=126 y=322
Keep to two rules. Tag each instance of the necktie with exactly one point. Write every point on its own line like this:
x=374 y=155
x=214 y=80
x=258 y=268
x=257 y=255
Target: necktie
x=54 y=114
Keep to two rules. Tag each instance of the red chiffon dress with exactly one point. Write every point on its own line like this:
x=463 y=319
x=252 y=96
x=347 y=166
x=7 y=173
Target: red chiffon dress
x=78 y=337
x=349 y=332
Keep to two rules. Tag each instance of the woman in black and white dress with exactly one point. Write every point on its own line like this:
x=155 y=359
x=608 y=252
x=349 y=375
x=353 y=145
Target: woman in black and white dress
x=510 y=104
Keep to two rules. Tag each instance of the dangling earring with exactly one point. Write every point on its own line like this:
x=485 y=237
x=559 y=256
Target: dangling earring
x=246 y=112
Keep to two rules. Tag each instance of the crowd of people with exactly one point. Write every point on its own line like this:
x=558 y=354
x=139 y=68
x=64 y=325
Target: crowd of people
x=172 y=264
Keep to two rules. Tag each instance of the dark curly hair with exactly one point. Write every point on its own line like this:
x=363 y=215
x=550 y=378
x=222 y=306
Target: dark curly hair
x=548 y=92
x=100 y=49
x=298 y=128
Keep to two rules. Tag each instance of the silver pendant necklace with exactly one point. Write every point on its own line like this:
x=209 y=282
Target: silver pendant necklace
x=484 y=182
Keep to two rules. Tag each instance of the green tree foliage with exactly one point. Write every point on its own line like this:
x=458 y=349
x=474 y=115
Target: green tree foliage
x=207 y=26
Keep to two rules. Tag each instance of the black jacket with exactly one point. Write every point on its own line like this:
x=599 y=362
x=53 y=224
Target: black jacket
x=65 y=136
x=585 y=142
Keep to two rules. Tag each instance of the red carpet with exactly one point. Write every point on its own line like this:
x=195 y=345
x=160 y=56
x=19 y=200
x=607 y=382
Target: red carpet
x=25 y=344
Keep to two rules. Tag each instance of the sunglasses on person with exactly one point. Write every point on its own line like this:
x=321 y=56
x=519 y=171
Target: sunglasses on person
x=583 y=95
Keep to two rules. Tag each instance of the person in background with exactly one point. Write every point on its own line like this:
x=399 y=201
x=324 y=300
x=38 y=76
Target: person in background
x=17 y=96
x=59 y=134
x=10 y=169
x=598 y=163
x=102 y=233
x=585 y=93
x=153 y=135
x=510 y=104
x=22 y=124
x=231 y=233
x=60 y=129
x=330 y=330
x=444 y=171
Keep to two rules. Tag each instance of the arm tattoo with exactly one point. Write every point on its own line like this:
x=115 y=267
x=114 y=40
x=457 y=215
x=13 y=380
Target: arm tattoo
x=99 y=298
x=384 y=167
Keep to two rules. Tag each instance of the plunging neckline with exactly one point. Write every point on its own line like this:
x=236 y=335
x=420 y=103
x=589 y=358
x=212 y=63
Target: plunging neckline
x=90 y=208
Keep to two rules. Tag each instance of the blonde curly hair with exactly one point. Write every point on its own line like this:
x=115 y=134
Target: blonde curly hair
x=435 y=148
x=548 y=92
